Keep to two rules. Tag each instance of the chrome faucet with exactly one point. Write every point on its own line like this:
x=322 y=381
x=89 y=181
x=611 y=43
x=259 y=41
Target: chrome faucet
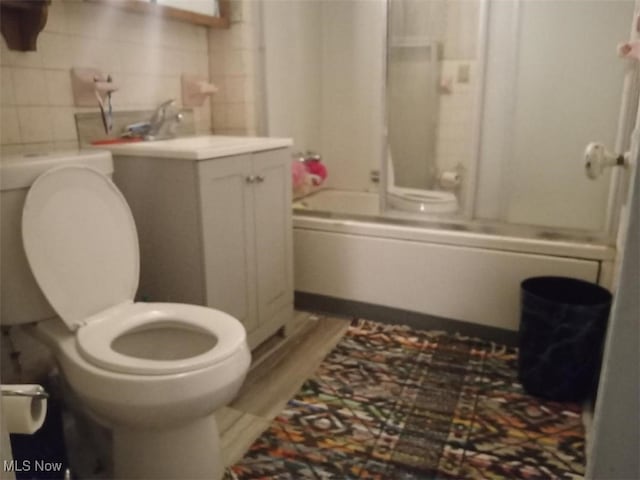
x=164 y=121
x=162 y=124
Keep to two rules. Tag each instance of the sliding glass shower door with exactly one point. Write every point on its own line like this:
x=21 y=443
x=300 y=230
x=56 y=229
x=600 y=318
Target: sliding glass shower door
x=495 y=101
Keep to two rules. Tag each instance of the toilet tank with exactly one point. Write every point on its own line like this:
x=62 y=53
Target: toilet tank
x=21 y=300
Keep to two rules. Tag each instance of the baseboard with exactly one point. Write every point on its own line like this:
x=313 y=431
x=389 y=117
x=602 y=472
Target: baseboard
x=417 y=320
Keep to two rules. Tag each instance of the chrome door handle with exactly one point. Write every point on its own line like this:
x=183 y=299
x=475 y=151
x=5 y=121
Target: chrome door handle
x=250 y=179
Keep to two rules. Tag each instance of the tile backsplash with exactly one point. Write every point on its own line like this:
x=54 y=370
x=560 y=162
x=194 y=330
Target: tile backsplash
x=233 y=56
x=145 y=55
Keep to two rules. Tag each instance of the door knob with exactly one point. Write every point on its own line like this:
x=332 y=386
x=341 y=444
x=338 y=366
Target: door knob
x=250 y=179
x=259 y=179
x=597 y=158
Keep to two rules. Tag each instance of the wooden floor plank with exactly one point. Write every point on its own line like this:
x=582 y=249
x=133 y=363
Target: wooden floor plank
x=239 y=437
x=268 y=388
x=276 y=379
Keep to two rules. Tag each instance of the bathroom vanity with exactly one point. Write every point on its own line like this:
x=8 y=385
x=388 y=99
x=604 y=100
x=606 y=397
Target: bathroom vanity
x=213 y=216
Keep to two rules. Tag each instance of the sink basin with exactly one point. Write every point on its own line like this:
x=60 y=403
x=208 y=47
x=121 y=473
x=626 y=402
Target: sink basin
x=198 y=148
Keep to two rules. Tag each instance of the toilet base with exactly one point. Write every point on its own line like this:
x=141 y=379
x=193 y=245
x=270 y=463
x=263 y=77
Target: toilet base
x=189 y=451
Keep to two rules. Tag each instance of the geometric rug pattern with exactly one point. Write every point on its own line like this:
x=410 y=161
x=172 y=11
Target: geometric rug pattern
x=391 y=402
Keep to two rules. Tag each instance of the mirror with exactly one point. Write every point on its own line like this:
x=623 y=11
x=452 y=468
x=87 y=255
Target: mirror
x=211 y=13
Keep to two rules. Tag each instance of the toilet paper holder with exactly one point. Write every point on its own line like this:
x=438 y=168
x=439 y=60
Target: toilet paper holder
x=33 y=392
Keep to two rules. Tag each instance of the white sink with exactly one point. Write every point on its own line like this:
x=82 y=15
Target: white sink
x=197 y=148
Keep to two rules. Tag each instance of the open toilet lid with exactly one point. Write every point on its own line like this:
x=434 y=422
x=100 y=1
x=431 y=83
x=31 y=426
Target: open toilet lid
x=81 y=243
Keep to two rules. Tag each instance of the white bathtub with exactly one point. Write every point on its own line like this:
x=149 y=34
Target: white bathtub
x=341 y=201
x=472 y=276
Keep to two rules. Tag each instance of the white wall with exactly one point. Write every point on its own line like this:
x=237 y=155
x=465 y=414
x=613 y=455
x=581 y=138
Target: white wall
x=324 y=77
x=567 y=84
x=292 y=36
x=353 y=50
x=146 y=55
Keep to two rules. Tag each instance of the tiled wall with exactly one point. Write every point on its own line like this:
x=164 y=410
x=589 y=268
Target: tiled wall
x=233 y=54
x=145 y=55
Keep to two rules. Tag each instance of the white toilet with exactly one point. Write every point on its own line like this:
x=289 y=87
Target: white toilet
x=154 y=373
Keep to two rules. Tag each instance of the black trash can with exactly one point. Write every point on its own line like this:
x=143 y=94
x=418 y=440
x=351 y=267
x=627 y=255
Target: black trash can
x=562 y=326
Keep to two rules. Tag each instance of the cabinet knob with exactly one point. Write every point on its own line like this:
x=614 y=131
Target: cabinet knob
x=250 y=179
x=259 y=179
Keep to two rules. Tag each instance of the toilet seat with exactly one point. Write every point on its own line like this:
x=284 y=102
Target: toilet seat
x=80 y=240
x=81 y=243
x=95 y=340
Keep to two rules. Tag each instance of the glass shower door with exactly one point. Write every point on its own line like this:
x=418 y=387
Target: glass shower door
x=553 y=85
x=495 y=101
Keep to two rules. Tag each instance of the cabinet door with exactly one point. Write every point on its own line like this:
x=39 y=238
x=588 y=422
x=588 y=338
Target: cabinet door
x=228 y=232
x=272 y=200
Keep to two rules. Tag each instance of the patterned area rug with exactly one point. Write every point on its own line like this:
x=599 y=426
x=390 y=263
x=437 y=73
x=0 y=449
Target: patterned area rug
x=390 y=402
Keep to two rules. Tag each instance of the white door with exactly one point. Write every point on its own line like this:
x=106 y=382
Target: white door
x=272 y=200
x=226 y=193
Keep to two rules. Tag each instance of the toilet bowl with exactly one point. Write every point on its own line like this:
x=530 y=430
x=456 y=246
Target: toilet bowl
x=154 y=373
x=416 y=200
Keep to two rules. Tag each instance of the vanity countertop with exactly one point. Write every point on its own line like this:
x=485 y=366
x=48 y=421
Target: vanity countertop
x=197 y=148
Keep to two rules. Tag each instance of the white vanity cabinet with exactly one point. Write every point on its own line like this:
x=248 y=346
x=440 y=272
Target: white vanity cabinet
x=247 y=239
x=215 y=231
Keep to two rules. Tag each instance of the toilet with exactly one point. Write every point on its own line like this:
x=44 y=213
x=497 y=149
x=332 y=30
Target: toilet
x=416 y=200
x=153 y=373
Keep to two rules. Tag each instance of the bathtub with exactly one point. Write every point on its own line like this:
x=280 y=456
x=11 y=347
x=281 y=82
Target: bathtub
x=467 y=272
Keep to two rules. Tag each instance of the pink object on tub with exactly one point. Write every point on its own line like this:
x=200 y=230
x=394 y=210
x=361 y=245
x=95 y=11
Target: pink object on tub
x=317 y=170
x=299 y=178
